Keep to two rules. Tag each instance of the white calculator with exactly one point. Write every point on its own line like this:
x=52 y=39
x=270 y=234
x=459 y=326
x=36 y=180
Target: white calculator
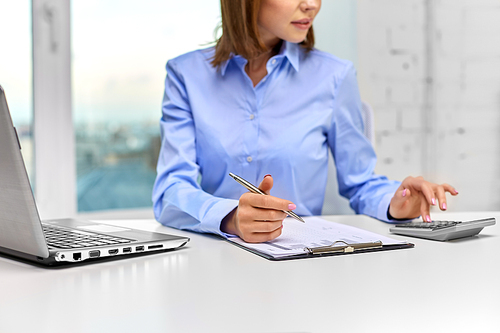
x=442 y=230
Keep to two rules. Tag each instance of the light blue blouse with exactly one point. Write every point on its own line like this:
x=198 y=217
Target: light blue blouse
x=216 y=122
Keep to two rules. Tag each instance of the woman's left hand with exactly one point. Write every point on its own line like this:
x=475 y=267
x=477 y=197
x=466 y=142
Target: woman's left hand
x=415 y=196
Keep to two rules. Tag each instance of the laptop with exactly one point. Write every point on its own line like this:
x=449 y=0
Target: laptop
x=61 y=241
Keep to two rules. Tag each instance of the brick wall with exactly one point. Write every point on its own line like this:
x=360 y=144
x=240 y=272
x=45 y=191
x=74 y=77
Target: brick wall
x=431 y=71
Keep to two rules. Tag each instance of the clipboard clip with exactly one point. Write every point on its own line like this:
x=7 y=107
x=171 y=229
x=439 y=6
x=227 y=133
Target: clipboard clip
x=345 y=248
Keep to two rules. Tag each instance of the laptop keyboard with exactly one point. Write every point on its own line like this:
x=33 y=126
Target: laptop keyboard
x=68 y=239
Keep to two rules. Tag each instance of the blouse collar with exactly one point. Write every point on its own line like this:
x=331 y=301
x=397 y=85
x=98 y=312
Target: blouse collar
x=288 y=51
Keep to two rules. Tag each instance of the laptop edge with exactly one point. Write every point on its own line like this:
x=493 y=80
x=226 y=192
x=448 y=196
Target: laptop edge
x=21 y=233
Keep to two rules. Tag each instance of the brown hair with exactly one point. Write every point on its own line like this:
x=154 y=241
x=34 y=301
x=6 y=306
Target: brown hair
x=240 y=33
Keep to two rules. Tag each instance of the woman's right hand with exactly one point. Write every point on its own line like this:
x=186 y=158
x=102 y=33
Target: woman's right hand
x=258 y=218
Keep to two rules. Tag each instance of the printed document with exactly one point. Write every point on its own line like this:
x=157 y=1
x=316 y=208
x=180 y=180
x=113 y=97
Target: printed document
x=315 y=232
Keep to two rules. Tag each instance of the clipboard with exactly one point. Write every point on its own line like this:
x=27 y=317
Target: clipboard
x=332 y=250
x=320 y=238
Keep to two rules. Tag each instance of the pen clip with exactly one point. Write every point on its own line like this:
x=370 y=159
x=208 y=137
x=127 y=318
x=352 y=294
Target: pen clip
x=346 y=248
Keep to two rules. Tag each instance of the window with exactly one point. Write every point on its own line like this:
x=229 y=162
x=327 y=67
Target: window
x=119 y=52
x=16 y=71
x=97 y=109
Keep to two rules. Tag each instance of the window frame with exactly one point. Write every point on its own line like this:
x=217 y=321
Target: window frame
x=55 y=180
x=55 y=174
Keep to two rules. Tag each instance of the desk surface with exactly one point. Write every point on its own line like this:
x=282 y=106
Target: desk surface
x=214 y=286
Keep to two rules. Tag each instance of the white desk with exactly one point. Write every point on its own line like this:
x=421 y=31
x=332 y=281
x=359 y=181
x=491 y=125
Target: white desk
x=214 y=286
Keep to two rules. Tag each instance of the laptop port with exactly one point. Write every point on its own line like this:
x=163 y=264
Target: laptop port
x=139 y=248
x=94 y=254
x=127 y=249
x=151 y=247
x=114 y=251
x=77 y=256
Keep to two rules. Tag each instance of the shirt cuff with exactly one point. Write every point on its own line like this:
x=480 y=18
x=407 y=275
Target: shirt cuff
x=214 y=218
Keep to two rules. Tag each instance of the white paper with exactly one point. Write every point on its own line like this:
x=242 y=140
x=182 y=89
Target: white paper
x=315 y=232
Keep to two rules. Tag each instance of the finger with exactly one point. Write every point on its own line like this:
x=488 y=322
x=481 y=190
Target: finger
x=399 y=203
x=269 y=202
x=260 y=237
x=424 y=209
x=266 y=184
x=428 y=193
x=423 y=186
x=400 y=198
x=450 y=189
x=261 y=226
x=263 y=214
x=441 y=195
x=257 y=207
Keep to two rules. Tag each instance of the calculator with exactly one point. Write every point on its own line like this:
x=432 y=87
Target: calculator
x=442 y=230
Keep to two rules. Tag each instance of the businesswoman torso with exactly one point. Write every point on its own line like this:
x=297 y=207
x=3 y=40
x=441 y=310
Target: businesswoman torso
x=264 y=104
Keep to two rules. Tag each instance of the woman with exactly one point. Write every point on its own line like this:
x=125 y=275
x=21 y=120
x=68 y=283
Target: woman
x=263 y=102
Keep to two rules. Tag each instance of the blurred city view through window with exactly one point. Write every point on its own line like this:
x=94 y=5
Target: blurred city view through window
x=16 y=71
x=119 y=53
x=116 y=164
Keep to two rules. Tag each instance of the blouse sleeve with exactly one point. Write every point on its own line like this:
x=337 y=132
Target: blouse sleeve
x=178 y=199
x=353 y=153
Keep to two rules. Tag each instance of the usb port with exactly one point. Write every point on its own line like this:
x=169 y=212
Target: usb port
x=127 y=249
x=94 y=253
x=139 y=248
x=114 y=251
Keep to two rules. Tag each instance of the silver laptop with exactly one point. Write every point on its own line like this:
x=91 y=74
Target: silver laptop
x=23 y=235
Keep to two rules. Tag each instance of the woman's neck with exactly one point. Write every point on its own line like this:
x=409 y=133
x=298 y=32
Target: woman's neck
x=256 y=67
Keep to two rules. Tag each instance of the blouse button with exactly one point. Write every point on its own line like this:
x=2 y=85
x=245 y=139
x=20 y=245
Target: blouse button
x=252 y=116
x=249 y=159
x=273 y=61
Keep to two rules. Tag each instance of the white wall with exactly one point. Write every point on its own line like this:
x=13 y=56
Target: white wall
x=335 y=28
x=335 y=32
x=466 y=54
x=391 y=74
x=431 y=71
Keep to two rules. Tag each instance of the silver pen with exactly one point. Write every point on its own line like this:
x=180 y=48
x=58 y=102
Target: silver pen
x=252 y=188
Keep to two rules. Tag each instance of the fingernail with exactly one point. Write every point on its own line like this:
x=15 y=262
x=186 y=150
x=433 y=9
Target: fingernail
x=433 y=201
x=291 y=207
x=428 y=218
x=404 y=193
x=444 y=205
x=268 y=175
x=456 y=191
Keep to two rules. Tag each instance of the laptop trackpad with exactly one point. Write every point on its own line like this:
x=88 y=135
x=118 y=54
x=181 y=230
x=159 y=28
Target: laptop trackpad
x=102 y=228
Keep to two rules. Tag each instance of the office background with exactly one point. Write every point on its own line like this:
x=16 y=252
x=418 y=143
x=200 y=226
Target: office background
x=84 y=81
